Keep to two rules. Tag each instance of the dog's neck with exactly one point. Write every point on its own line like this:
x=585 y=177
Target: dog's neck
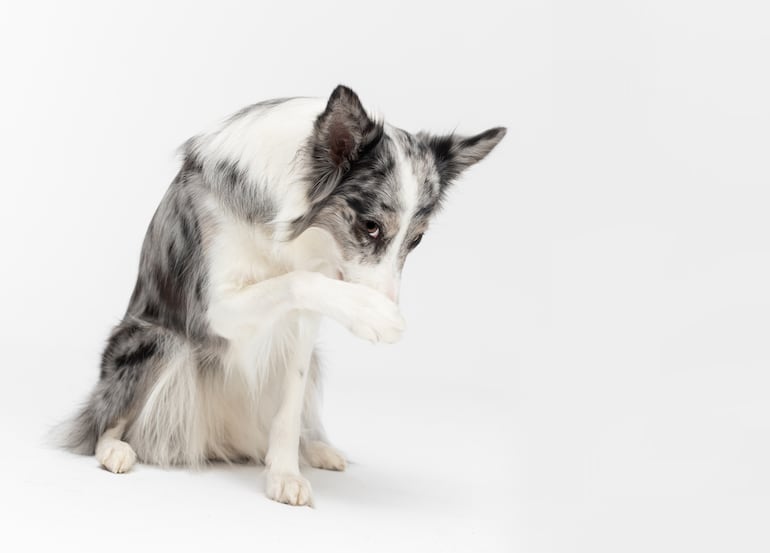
x=267 y=143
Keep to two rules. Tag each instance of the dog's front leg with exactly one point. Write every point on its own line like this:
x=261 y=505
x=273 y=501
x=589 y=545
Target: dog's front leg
x=238 y=314
x=284 y=481
x=364 y=311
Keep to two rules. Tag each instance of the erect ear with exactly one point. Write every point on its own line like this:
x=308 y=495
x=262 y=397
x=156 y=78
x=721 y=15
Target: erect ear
x=342 y=133
x=454 y=153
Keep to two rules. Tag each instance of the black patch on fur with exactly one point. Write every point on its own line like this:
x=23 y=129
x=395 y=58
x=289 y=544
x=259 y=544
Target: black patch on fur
x=138 y=355
x=123 y=333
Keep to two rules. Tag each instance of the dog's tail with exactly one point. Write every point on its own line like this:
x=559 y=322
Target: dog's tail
x=79 y=433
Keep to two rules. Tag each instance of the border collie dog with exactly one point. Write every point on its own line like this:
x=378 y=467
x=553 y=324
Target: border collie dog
x=289 y=211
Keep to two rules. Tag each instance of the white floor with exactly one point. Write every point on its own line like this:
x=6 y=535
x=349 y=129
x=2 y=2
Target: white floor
x=414 y=483
x=554 y=464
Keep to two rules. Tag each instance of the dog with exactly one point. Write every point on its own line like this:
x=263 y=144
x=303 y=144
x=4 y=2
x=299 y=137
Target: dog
x=289 y=211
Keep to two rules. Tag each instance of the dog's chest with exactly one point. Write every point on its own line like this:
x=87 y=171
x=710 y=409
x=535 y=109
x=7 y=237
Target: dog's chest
x=241 y=255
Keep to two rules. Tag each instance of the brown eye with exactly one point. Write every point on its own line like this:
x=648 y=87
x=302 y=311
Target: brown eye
x=415 y=242
x=372 y=228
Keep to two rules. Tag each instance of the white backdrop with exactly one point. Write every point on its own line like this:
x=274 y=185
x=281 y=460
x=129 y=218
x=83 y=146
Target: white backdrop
x=586 y=363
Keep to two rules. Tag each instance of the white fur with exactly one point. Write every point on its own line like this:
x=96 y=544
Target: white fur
x=114 y=454
x=169 y=429
x=323 y=456
x=254 y=283
x=291 y=488
x=266 y=142
x=266 y=302
x=284 y=482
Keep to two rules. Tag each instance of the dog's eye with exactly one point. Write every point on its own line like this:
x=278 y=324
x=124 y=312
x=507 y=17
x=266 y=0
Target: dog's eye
x=416 y=241
x=372 y=228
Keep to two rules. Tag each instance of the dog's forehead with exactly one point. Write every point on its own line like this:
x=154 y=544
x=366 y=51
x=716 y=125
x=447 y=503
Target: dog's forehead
x=414 y=175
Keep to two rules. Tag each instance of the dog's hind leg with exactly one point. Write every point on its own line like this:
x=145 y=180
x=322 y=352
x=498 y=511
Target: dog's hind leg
x=315 y=449
x=113 y=453
x=130 y=364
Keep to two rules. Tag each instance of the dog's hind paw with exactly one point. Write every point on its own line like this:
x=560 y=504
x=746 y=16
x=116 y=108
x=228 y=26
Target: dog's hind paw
x=323 y=456
x=116 y=456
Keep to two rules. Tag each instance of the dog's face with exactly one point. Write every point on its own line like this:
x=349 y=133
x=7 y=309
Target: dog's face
x=374 y=187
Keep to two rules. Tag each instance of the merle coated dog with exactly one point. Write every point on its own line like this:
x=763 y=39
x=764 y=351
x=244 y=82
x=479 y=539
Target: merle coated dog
x=289 y=211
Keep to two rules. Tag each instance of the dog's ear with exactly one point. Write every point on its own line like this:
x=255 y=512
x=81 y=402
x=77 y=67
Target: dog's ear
x=454 y=154
x=342 y=133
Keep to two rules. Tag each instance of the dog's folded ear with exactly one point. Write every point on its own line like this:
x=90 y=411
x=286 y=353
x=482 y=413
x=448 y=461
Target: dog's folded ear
x=342 y=133
x=454 y=154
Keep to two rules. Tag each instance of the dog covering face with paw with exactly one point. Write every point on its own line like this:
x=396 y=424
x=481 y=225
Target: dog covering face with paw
x=291 y=210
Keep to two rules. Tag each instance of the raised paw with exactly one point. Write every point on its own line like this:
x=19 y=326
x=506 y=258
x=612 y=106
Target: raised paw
x=367 y=313
x=292 y=489
x=116 y=456
x=323 y=456
x=372 y=316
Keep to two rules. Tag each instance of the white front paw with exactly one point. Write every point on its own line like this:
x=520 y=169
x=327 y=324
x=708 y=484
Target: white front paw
x=372 y=316
x=292 y=489
x=366 y=312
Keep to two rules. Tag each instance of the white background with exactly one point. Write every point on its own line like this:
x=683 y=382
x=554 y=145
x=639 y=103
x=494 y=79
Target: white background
x=586 y=364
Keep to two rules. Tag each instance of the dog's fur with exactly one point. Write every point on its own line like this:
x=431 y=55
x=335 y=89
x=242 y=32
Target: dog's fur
x=291 y=210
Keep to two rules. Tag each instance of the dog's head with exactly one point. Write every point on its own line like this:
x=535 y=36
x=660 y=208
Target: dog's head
x=374 y=187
